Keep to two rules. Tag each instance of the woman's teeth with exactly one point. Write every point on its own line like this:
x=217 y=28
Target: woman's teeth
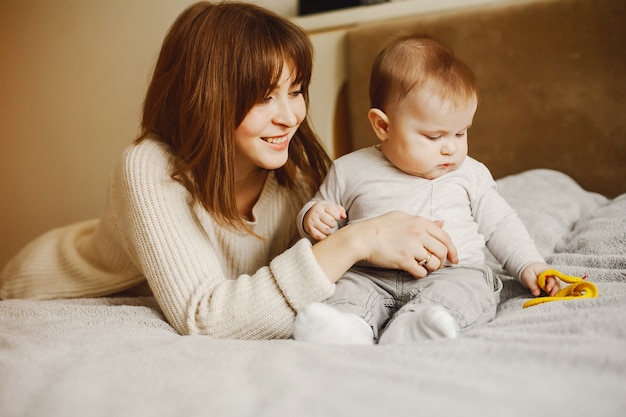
x=276 y=141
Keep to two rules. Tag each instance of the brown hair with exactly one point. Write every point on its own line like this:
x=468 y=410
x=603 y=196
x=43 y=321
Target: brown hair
x=217 y=61
x=415 y=61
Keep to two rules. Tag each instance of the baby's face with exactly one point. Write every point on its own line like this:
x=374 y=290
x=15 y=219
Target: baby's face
x=427 y=135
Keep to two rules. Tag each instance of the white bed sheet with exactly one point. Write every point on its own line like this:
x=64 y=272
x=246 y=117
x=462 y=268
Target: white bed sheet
x=119 y=357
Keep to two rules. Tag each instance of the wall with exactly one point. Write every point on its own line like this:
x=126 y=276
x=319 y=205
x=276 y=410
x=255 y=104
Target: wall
x=72 y=80
x=328 y=31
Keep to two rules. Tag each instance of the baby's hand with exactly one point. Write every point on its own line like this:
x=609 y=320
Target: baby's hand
x=321 y=219
x=530 y=275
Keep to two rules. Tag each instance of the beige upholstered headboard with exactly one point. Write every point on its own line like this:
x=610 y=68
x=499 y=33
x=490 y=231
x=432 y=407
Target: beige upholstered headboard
x=552 y=80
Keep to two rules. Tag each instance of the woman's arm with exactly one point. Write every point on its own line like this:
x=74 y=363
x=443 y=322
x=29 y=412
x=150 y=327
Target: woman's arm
x=208 y=279
x=394 y=240
x=180 y=254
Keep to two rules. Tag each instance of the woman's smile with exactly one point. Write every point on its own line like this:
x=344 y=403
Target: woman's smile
x=277 y=140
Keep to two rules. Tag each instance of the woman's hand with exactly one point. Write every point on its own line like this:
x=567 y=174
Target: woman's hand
x=394 y=240
x=411 y=243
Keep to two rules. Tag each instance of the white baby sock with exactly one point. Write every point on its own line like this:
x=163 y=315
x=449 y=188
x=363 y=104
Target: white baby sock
x=425 y=322
x=321 y=323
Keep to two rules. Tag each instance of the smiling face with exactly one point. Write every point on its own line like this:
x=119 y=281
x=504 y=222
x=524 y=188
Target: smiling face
x=423 y=134
x=262 y=138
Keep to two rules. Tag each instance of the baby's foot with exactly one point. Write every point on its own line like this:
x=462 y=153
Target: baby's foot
x=425 y=322
x=321 y=323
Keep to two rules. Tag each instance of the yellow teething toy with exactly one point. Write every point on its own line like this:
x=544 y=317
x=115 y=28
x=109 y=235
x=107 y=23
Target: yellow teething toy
x=578 y=289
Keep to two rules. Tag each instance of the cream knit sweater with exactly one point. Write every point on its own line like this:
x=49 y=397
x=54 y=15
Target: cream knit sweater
x=207 y=279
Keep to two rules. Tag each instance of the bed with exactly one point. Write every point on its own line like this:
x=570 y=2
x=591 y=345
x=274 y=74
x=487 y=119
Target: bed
x=117 y=356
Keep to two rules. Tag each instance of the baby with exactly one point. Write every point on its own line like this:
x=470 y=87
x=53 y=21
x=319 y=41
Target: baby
x=423 y=100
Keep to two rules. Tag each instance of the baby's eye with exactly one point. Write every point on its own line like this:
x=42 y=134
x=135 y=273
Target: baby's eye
x=461 y=134
x=433 y=137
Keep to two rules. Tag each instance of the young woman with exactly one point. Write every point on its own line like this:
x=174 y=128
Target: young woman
x=203 y=205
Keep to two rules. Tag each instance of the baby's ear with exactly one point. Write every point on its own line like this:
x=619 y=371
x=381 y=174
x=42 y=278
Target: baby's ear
x=380 y=123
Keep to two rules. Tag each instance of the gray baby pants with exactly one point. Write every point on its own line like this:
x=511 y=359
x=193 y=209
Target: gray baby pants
x=470 y=294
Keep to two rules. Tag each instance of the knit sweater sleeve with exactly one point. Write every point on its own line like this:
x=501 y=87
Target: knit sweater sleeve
x=152 y=216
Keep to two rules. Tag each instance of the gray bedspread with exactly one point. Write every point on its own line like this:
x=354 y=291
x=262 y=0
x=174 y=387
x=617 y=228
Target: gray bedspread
x=118 y=356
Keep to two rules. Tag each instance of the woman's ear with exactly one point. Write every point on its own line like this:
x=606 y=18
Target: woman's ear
x=380 y=123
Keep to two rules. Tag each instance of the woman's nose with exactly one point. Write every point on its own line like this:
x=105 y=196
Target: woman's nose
x=287 y=112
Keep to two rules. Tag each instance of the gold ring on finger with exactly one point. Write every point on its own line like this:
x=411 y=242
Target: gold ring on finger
x=425 y=260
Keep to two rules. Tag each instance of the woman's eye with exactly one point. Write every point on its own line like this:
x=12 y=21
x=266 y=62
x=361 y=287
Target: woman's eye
x=266 y=99
x=297 y=91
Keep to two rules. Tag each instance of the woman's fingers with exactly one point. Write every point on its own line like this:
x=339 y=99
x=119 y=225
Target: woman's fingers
x=436 y=247
x=440 y=243
x=428 y=263
x=426 y=259
x=416 y=270
x=402 y=241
